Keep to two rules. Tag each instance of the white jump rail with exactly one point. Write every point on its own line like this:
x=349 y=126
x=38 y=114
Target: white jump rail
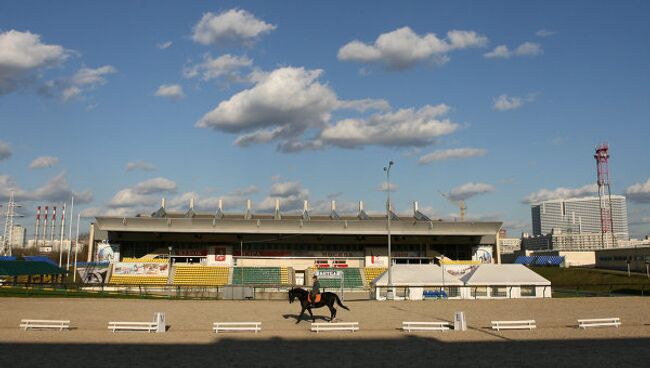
x=338 y=326
x=599 y=322
x=132 y=326
x=514 y=325
x=44 y=324
x=237 y=327
x=425 y=326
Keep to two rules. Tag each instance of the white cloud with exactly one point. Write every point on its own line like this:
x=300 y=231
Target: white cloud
x=469 y=190
x=164 y=45
x=171 y=91
x=287 y=101
x=559 y=193
x=227 y=66
x=383 y=187
x=143 y=194
x=290 y=194
x=232 y=26
x=504 y=102
x=43 y=162
x=56 y=189
x=85 y=79
x=639 y=192
x=140 y=165
x=403 y=48
x=5 y=151
x=451 y=154
x=21 y=54
x=525 y=49
x=545 y=33
x=404 y=127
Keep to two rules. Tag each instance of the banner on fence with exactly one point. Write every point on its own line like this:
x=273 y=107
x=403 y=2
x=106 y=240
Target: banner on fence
x=93 y=274
x=142 y=269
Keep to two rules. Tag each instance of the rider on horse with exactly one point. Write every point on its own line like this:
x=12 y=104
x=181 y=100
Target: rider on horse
x=315 y=290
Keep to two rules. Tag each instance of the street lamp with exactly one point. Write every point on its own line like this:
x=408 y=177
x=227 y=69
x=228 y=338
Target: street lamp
x=390 y=293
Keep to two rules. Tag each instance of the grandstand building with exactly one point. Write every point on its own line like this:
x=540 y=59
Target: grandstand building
x=251 y=248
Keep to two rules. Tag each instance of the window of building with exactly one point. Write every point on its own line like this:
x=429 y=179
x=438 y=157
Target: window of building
x=528 y=290
x=499 y=292
x=479 y=291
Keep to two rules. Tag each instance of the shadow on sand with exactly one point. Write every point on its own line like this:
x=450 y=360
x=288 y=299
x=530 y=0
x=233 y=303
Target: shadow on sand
x=404 y=351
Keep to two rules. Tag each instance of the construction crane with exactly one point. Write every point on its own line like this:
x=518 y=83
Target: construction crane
x=460 y=204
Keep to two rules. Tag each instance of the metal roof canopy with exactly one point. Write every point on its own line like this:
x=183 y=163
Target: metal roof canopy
x=25 y=268
x=287 y=225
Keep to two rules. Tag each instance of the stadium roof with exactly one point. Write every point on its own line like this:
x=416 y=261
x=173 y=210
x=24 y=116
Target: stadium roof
x=23 y=268
x=216 y=223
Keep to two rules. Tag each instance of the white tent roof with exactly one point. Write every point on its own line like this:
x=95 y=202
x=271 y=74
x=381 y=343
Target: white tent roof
x=504 y=274
x=417 y=275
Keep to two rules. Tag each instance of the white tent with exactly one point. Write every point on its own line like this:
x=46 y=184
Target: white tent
x=503 y=275
x=417 y=275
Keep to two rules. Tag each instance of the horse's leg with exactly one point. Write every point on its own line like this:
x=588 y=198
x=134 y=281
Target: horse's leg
x=332 y=312
x=312 y=315
x=302 y=311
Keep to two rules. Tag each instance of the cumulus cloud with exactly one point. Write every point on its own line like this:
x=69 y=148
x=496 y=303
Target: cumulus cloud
x=291 y=195
x=22 y=54
x=85 y=79
x=225 y=66
x=56 y=189
x=170 y=91
x=289 y=103
x=164 y=45
x=5 y=151
x=232 y=26
x=142 y=194
x=404 y=127
x=559 y=193
x=452 y=154
x=43 y=162
x=140 y=165
x=469 y=190
x=403 y=48
x=639 y=192
x=525 y=49
x=283 y=103
x=504 y=103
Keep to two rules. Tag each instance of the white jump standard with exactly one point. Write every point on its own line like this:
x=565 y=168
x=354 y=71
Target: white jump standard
x=514 y=325
x=338 y=326
x=425 y=326
x=133 y=326
x=599 y=322
x=237 y=327
x=44 y=324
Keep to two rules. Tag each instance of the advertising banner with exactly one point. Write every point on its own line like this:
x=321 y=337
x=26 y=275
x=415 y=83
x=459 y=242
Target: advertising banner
x=91 y=273
x=482 y=253
x=220 y=255
x=142 y=269
x=107 y=252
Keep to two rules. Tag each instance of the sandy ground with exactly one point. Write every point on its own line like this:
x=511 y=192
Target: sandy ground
x=189 y=341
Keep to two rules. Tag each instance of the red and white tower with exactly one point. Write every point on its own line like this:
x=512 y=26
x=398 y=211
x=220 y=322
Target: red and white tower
x=604 y=194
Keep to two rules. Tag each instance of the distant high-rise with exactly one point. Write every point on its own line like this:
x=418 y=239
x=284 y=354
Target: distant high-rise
x=579 y=215
x=18 y=236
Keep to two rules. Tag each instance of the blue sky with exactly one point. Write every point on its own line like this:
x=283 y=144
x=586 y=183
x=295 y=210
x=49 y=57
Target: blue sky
x=497 y=103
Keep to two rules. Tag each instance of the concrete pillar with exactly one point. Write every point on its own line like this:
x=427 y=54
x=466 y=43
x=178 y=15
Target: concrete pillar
x=91 y=242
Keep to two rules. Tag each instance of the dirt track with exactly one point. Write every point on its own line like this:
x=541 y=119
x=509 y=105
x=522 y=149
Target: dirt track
x=190 y=342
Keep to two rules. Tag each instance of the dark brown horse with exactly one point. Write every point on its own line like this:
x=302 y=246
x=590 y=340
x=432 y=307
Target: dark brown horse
x=326 y=299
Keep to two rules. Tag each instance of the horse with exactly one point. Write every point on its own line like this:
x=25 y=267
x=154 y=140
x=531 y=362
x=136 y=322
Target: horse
x=326 y=299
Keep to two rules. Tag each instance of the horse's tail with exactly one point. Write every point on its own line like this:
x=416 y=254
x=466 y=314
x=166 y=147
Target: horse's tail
x=338 y=301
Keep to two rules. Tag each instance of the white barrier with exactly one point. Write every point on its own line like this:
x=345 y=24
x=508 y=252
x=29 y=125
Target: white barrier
x=599 y=322
x=338 y=326
x=133 y=326
x=44 y=324
x=425 y=326
x=237 y=327
x=514 y=325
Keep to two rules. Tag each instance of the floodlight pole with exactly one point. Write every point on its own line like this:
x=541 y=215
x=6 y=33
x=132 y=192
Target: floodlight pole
x=390 y=293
